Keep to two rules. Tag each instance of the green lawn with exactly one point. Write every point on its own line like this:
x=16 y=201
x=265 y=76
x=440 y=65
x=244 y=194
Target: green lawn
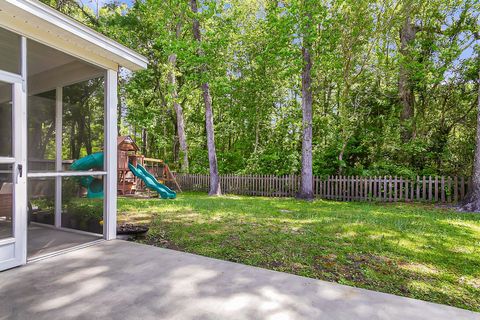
x=411 y=250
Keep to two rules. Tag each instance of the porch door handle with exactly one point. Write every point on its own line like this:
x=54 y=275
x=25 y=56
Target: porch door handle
x=19 y=170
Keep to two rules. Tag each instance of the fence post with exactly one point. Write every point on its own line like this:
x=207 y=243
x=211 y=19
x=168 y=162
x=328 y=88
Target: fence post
x=424 y=188
x=272 y=184
x=351 y=188
x=455 y=189
x=259 y=185
x=400 y=193
x=348 y=187
x=265 y=185
x=340 y=188
x=355 y=188
x=406 y=183
x=359 y=188
x=385 y=193
x=430 y=188
x=412 y=190
x=334 y=187
x=368 y=188
x=371 y=188
x=449 y=188
x=395 y=189
x=389 y=188
x=328 y=187
x=442 y=190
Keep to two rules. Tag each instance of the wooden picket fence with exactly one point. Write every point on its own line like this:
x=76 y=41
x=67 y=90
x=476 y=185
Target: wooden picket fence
x=341 y=188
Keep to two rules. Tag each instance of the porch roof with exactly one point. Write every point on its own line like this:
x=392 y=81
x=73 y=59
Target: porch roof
x=44 y=24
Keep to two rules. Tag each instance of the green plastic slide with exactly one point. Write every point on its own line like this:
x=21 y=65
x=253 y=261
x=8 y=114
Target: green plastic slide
x=92 y=161
x=151 y=182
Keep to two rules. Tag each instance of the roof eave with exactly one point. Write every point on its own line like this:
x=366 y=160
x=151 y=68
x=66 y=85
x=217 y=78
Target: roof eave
x=120 y=54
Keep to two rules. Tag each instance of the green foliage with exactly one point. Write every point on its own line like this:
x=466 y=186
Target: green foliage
x=85 y=209
x=252 y=51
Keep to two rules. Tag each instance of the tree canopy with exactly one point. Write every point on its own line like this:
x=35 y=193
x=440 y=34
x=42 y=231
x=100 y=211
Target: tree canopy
x=394 y=83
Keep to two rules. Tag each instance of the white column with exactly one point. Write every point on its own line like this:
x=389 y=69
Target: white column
x=110 y=203
x=58 y=155
x=20 y=145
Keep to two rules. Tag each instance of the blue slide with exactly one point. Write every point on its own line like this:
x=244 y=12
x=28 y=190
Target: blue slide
x=151 y=182
x=94 y=185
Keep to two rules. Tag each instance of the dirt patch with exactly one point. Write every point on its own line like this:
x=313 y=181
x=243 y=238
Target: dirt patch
x=232 y=240
x=162 y=243
x=329 y=267
x=352 y=268
x=367 y=258
x=275 y=264
x=170 y=245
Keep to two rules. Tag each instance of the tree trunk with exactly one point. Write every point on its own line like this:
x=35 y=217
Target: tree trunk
x=471 y=203
x=175 y=147
x=340 y=156
x=408 y=33
x=72 y=140
x=306 y=185
x=144 y=142
x=165 y=137
x=182 y=138
x=257 y=137
x=212 y=155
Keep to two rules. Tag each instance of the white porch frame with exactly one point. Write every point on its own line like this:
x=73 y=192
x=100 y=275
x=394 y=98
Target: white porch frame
x=14 y=248
x=36 y=21
x=58 y=155
x=110 y=157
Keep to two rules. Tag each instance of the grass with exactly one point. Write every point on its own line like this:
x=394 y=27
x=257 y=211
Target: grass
x=417 y=251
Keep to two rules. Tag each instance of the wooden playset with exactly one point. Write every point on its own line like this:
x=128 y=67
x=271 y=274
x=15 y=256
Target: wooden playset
x=129 y=152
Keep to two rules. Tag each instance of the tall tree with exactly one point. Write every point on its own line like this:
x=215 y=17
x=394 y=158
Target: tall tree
x=408 y=32
x=212 y=154
x=472 y=199
x=252 y=54
x=182 y=137
x=306 y=186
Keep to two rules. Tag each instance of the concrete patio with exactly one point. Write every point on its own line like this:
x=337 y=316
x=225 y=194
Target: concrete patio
x=124 y=280
x=44 y=240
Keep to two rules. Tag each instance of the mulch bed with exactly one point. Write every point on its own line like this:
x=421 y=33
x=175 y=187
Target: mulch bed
x=128 y=228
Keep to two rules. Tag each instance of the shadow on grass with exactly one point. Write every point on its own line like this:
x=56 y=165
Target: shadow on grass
x=412 y=250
